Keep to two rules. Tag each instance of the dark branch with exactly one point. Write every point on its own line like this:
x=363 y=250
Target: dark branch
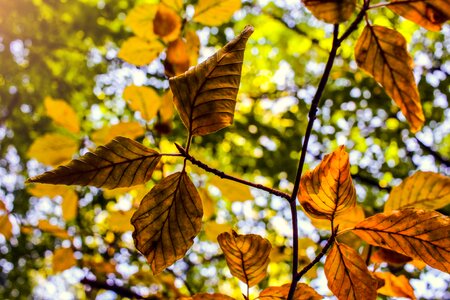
x=437 y=156
x=119 y=290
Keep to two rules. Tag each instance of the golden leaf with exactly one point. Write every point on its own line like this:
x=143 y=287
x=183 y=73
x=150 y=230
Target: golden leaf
x=47 y=190
x=177 y=61
x=97 y=265
x=120 y=163
x=206 y=296
x=166 y=110
x=62 y=114
x=53 y=149
x=247 y=256
x=328 y=190
x=420 y=234
x=347 y=274
x=215 y=12
x=54 y=230
x=69 y=205
x=176 y=5
x=167 y=221
x=119 y=221
x=331 y=11
x=129 y=130
x=5 y=225
x=167 y=23
x=382 y=53
x=63 y=259
x=232 y=190
x=193 y=46
x=139 y=51
x=425 y=190
x=348 y=220
x=209 y=207
x=302 y=292
x=395 y=286
x=140 y=20
x=213 y=229
x=205 y=96
x=142 y=99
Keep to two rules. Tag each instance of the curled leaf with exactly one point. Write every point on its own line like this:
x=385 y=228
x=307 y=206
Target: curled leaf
x=331 y=11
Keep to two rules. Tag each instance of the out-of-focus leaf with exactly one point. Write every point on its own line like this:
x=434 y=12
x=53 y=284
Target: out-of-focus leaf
x=382 y=53
x=215 y=12
x=347 y=274
x=205 y=96
x=120 y=221
x=166 y=110
x=206 y=296
x=129 y=130
x=167 y=221
x=63 y=259
x=177 y=61
x=5 y=224
x=140 y=20
x=247 y=256
x=120 y=163
x=167 y=23
x=425 y=190
x=331 y=11
x=395 y=286
x=328 y=191
x=302 y=292
x=193 y=46
x=420 y=234
x=139 y=51
x=62 y=114
x=142 y=99
x=351 y=217
x=97 y=265
x=176 y=5
x=389 y=256
x=213 y=229
x=54 y=230
x=47 y=190
x=69 y=205
x=232 y=190
x=209 y=207
x=53 y=149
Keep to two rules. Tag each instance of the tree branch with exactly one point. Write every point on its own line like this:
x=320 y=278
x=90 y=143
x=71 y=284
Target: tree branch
x=119 y=290
x=437 y=156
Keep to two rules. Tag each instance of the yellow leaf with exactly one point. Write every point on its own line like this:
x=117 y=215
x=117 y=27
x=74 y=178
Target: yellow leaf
x=140 y=20
x=247 y=256
x=98 y=265
x=120 y=221
x=166 y=110
x=395 y=286
x=167 y=23
x=425 y=190
x=62 y=114
x=416 y=233
x=167 y=221
x=142 y=99
x=47 y=190
x=382 y=53
x=205 y=96
x=347 y=274
x=213 y=229
x=209 y=207
x=120 y=163
x=69 y=205
x=206 y=296
x=215 y=12
x=63 y=259
x=331 y=11
x=193 y=46
x=129 y=130
x=302 y=292
x=176 y=5
x=232 y=190
x=140 y=52
x=351 y=217
x=177 y=61
x=54 y=230
x=53 y=149
x=5 y=225
x=328 y=191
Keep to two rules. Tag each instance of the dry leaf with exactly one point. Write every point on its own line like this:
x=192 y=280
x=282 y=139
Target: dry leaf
x=205 y=96
x=142 y=99
x=331 y=11
x=167 y=221
x=232 y=190
x=53 y=149
x=215 y=12
x=247 y=256
x=382 y=53
x=389 y=256
x=129 y=130
x=395 y=286
x=420 y=234
x=302 y=292
x=63 y=259
x=120 y=163
x=139 y=51
x=140 y=20
x=62 y=114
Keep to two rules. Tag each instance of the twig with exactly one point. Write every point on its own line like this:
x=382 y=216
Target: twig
x=437 y=156
x=119 y=290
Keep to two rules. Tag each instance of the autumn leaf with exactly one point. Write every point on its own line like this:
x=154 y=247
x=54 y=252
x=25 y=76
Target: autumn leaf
x=5 y=224
x=167 y=221
x=46 y=190
x=205 y=96
x=206 y=296
x=142 y=99
x=215 y=12
x=328 y=190
x=389 y=256
x=209 y=207
x=167 y=23
x=247 y=256
x=176 y=5
x=54 y=230
x=129 y=130
x=420 y=234
x=232 y=190
x=347 y=274
x=351 y=217
x=214 y=229
x=177 y=61
x=331 y=11
x=53 y=149
x=140 y=20
x=395 y=286
x=382 y=53
x=119 y=221
x=63 y=259
x=62 y=114
x=193 y=46
x=425 y=190
x=139 y=51
x=69 y=205
x=120 y=163
x=302 y=292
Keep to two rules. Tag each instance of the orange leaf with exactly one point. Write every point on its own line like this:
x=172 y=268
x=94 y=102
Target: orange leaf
x=5 y=225
x=62 y=114
x=63 y=259
x=54 y=230
x=420 y=234
x=382 y=53
x=167 y=23
x=389 y=256
x=395 y=286
x=142 y=99
x=302 y=292
x=331 y=11
x=177 y=61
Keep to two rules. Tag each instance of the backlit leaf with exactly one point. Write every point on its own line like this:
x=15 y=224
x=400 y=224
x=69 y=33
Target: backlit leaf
x=167 y=221
x=142 y=99
x=176 y=5
x=206 y=296
x=420 y=234
x=347 y=274
x=395 y=286
x=247 y=256
x=389 y=256
x=331 y=11
x=425 y=190
x=382 y=53
x=209 y=207
x=140 y=20
x=302 y=292
x=167 y=110
x=213 y=229
x=232 y=190
x=62 y=114
x=348 y=220
x=139 y=51
x=120 y=163
x=53 y=149
x=46 y=190
x=193 y=46
x=5 y=225
x=177 y=61
x=205 y=96
x=129 y=130
x=69 y=205
x=215 y=12
x=120 y=221
x=167 y=23
x=328 y=190
x=63 y=259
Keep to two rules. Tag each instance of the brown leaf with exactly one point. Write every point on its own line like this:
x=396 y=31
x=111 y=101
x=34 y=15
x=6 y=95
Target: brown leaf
x=331 y=11
x=247 y=256
x=395 y=286
x=420 y=234
x=205 y=96
x=167 y=221
x=382 y=53
x=389 y=256
x=328 y=190
x=302 y=292
x=120 y=163
x=347 y=274
x=425 y=190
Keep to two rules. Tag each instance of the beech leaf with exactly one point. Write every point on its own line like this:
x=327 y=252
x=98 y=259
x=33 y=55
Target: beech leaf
x=424 y=235
x=302 y=292
x=120 y=163
x=347 y=274
x=215 y=12
x=139 y=51
x=142 y=99
x=331 y=11
x=53 y=149
x=62 y=114
x=395 y=286
x=382 y=53
x=247 y=256
x=167 y=221
x=205 y=96
x=328 y=190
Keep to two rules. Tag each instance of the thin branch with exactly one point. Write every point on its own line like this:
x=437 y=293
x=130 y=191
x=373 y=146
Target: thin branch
x=229 y=177
x=355 y=23
x=119 y=290
x=437 y=156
